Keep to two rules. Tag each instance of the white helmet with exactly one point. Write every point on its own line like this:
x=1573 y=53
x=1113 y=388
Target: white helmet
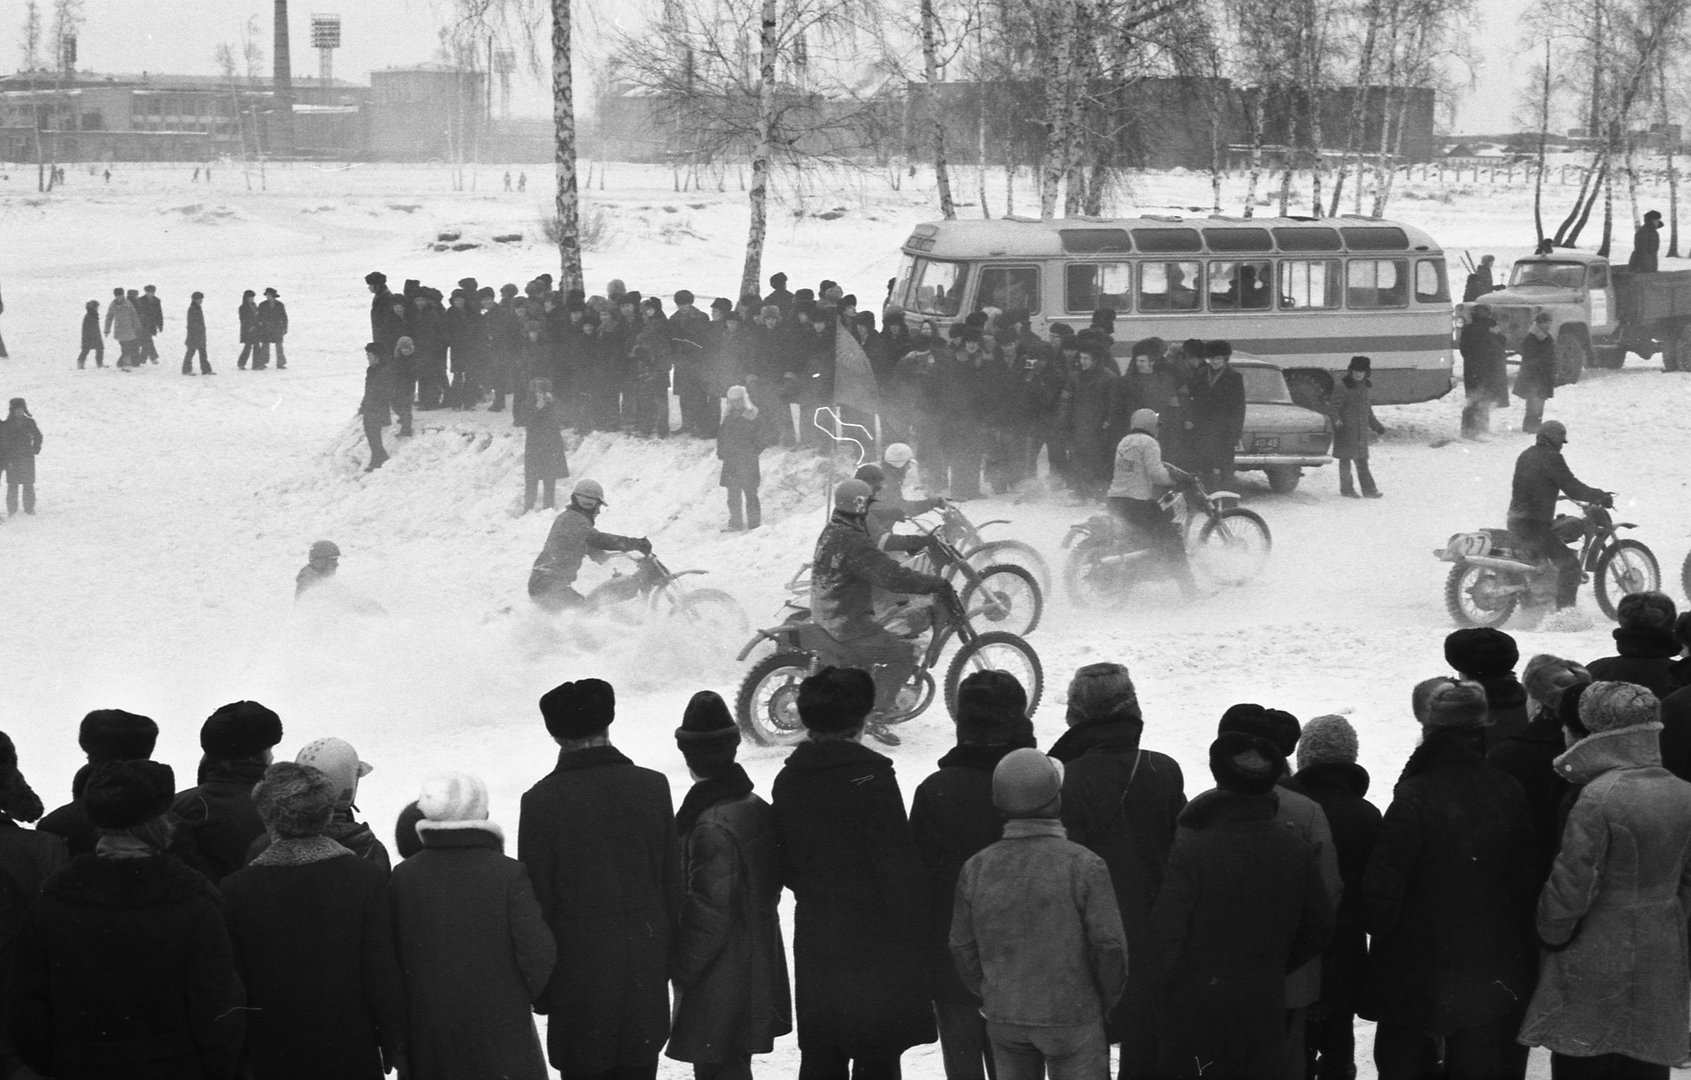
x=336 y=759
x=898 y=455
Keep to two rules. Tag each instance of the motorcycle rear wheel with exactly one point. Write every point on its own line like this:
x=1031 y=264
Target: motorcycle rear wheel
x=996 y=651
x=714 y=614
x=1009 y=598
x=1233 y=547
x=1089 y=581
x=767 y=705
x=1015 y=553
x=1627 y=567
x=1468 y=609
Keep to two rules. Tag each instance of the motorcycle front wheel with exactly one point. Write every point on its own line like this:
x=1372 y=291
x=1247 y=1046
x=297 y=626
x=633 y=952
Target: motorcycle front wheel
x=1475 y=596
x=996 y=651
x=1627 y=567
x=1015 y=553
x=1233 y=547
x=1004 y=598
x=713 y=613
x=767 y=706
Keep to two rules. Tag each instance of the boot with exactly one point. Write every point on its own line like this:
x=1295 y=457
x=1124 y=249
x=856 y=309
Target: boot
x=882 y=734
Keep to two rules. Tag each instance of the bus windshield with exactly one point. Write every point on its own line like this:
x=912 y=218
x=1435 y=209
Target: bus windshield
x=936 y=287
x=1553 y=275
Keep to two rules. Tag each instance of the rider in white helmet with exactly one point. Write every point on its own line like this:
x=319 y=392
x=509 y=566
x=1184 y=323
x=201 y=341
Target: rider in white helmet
x=574 y=537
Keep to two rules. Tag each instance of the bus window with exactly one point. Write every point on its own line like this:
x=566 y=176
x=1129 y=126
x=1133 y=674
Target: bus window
x=1309 y=283
x=1241 y=286
x=1430 y=284
x=938 y=287
x=1009 y=288
x=1090 y=286
x=1377 y=283
x=1170 y=286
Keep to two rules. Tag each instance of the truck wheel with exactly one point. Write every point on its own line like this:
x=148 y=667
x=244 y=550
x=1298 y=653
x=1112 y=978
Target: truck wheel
x=1676 y=355
x=1573 y=354
x=1612 y=358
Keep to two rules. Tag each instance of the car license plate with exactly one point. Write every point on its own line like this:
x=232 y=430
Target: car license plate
x=1261 y=444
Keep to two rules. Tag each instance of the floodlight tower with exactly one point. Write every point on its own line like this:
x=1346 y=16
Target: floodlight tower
x=325 y=38
x=504 y=63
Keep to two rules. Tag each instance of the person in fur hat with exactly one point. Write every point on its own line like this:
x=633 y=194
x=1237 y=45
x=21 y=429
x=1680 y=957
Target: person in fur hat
x=1488 y=656
x=314 y=942
x=218 y=817
x=20 y=442
x=337 y=760
x=470 y=990
x=732 y=996
x=1354 y=427
x=1611 y=990
x=739 y=441
x=381 y=299
x=1644 y=643
x=104 y=735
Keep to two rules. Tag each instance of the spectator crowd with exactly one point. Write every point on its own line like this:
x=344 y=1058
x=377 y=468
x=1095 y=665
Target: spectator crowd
x=1528 y=884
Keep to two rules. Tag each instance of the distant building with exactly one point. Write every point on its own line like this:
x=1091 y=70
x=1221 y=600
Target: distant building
x=426 y=112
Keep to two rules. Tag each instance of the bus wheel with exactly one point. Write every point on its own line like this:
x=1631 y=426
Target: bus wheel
x=1309 y=388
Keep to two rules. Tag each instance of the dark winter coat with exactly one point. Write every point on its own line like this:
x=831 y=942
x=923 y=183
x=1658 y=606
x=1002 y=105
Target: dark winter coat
x=846 y=568
x=1483 y=357
x=125 y=972
x=151 y=310
x=1646 y=241
x=465 y=338
x=196 y=325
x=1449 y=891
x=739 y=441
x=27 y=859
x=1352 y=411
x=1676 y=733
x=544 y=455
x=1243 y=904
x=1084 y=413
x=1506 y=706
x=381 y=303
x=572 y=538
x=848 y=855
x=727 y=960
x=91 y=338
x=428 y=334
x=1646 y=658
x=475 y=954
x=70 y=821
x=314 y=945
x=1614 y=976
x=1530 y=756
x=952 y=818
x=598 y=839
x=380 y=389
x=272 y=321
x=1340 y=790
x=1122 y=801
x=1035 y=933
x=248 y=314
x=1541 y=474
x=1536 y=376
x=20 y=441
x=219 y=821
x=1217 y=415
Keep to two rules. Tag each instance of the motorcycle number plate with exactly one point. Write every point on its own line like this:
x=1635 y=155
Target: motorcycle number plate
x=1469 y=545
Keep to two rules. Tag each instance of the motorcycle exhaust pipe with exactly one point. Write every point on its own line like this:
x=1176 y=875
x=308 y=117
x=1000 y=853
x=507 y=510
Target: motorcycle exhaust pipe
x=1509 y=566
x=1125 y=557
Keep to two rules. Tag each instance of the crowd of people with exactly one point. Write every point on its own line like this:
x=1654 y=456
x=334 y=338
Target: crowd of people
x=1528 y=884
x=978 y=402
x=134 y=319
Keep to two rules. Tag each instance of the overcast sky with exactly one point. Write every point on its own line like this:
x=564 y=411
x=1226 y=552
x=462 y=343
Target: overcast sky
x=182 y=36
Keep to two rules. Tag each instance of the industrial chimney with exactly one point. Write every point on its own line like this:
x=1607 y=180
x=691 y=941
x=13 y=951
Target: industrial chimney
x=282 y=113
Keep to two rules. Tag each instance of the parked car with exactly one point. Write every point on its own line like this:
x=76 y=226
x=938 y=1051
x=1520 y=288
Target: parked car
x=1280 y=437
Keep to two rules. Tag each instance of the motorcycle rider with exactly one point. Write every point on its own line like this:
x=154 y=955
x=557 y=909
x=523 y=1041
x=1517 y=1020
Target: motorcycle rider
x=845 y=570
x=1132 y=497
x=885 y=513
x=573 y=537
x=1540 y=475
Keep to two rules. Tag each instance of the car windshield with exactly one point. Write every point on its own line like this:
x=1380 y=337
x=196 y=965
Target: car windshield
x=936 y=288
x=1551 y=275
x=1265 y=385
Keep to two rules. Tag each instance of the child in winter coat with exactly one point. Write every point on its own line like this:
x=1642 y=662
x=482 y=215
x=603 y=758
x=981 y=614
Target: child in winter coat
x=739 y=441
x=20 y=441
x=92 y=341
x=544 y=460
x=376 y=408
x=1354 y=427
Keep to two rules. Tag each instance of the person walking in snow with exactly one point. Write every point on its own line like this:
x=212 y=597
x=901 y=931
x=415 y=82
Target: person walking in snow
x=20 y=442
x=152 y=321
x=92 y=341
x=272 y=328
x=739 y=441
x=123 y=325
x=248 y=315
x=1354 y=427
x=196 y=340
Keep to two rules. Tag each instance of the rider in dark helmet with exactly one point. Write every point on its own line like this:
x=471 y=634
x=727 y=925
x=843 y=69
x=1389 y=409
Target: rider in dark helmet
x=573 y=538
x=845 y=570
x=884 y=514
x=1541 y=475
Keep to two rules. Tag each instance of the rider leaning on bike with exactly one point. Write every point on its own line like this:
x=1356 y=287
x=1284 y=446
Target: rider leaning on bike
x=1132 y=497
x=1540 y=475
x=846 y=569
x=551 y=584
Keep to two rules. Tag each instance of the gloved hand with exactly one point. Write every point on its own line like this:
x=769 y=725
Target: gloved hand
x=643 y=546
x=1607 y=502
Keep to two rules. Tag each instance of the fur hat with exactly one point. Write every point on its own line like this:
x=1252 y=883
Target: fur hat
x=1481 y=652
x=124 y=794
x=294 y=800
x=1026 y=783
x=241 y=729
x=453 y=801
x=1245 y=764
x=1360 y=363
x=18 y=800
x=375 y=277
x=721 y=303
x=1276 y=725
x=1606 y=706
x=836 y=699
x=336 y=759
x=115 y=735
x=1546 y=677
x=708 y=735
x=992 y=709
x=576 y=710
x=1447 y=702
x=769 y=311
x=684 y=296
x=1646 y=611
x=1103 y=690
x=1327 y=740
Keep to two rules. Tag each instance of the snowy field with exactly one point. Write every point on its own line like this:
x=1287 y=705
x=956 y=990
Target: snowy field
x=174 y=512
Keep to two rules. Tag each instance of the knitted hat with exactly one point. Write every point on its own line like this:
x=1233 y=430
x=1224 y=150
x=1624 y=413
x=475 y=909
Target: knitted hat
x=708 y=735
x=453 y=801
x=1447 y=702
x=405 y=838
x=115 y=735
x=992 y=709
x=1245 y=764
x=1545 y=678
x=336 y=759
x=1646 y=611
x=241 y=729
x=1026 y=783
x=836 y=699
x=294 y=800
x=1606 y=706
x=1327 y=740
x=1276 y=725
x=18 y=800
x=124 y=794
x=1481 y=652
x=576 y=710
x=1103 y=690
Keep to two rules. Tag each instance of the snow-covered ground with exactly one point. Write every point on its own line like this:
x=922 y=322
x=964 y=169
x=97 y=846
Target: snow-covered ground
x=174 y=512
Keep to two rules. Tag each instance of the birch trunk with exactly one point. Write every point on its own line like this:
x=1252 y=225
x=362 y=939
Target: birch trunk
x=566 y=202
x=1215 y=147
x=1608 y=207
x=751 y=274
x=936 y=125
x=1384 y=195
x=1358 y=109
x=1058 y=100
x=1258 y=121
x=1673 y=177
x=1543 y=137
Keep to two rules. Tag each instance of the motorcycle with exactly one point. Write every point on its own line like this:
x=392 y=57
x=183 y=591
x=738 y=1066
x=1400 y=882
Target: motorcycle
x=964 y=535
x=1493 y=573
x=1226 y=543
x=766 y=706
x=712 y=612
